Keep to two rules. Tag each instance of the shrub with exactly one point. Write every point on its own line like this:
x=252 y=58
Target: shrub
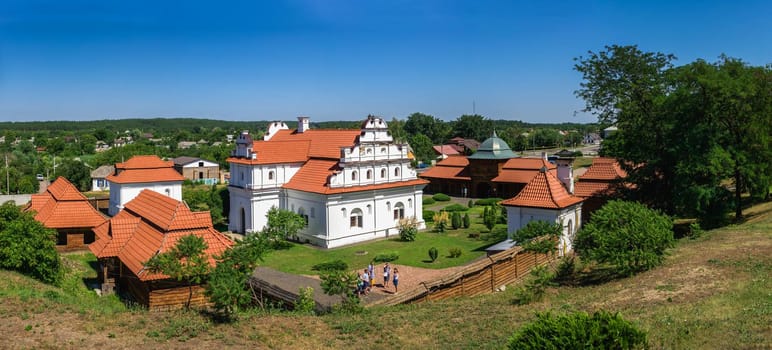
x=490 y=217
x=578 y=154
x=538 y=236
x=455 y=207
x=565 y=270
x=408 y=229
x=602 y=330
x=695 y=231
x=428 y=215
x=334 y=265
x=627 y=235
x=305 y=302
x=441 y=197
x=441 y=221
x=488 y=201
x=467 y=221
x=386 y=257
x=455 y=220
x=428 y=201
x=433 y=254
x=470 y=204
x=533 y=290
x=455 y=252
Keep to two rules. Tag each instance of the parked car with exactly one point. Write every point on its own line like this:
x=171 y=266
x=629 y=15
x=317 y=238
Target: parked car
x=40 y=177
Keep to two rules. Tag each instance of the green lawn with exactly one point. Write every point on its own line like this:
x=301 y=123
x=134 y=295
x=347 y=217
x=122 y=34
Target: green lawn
x=299 y=258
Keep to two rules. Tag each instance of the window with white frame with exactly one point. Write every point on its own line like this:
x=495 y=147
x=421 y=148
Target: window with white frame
x=353 y=175
x=396 y=171
x=383 y=173
x=399 y=211
x=356 y=218
x=369 y=174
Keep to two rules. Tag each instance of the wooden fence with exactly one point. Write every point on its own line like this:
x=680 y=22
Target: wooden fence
x=480 y=277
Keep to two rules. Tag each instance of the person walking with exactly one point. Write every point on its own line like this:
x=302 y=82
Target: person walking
x=371 y=273
x=386 y=273
x=396 y=280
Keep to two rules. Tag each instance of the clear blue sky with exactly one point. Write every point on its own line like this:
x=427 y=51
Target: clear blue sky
x=340 y=60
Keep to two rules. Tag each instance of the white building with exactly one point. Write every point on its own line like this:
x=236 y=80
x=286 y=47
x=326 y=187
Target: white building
x=546 y=198
x=350 y=185
x=139 y=173
x=99 y=178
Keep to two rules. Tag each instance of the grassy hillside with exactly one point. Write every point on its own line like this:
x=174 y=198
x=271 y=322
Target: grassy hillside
x=713 y=292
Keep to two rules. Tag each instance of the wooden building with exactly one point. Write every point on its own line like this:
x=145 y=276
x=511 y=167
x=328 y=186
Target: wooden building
x=63 y=208
x=151 y=224
x=603 y=181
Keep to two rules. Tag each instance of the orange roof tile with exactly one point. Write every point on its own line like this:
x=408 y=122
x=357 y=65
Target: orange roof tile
x=603 y=169
x=448 y=150
x=446 y=172
x=454 y=161
x=150 y=224
x=314 y=177
x=324 y=143
x=63 y=206
x=140 y=169
x=543 y=191
x=515 y=176
x=272 y=152
x=591 y=188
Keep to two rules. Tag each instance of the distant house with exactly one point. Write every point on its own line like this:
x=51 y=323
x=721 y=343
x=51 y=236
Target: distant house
x=592 y=138
x=197 y=169
x=611 y=130
x=151 y=224
x=445 y=150
x=63 y=208
x=464 y=146
x=185 y=144
x=99 y=178
x=101 y=146
x=140 y=173
x=603 y=181
x=546 y=198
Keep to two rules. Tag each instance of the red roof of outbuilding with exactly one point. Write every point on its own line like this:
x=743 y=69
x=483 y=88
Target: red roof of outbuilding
x=63 y=206
x=452 y=168
x=150 y=224
x=543 y=191
x=323 y=143
x=141 y=169
x=604 y=169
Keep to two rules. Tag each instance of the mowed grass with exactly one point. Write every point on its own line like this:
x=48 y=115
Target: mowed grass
x=300 y=258
x=713 y=292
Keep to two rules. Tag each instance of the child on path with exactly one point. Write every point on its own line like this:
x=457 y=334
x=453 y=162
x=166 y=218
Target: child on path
x=386 y=272
x=366 y=281
x=396 y=280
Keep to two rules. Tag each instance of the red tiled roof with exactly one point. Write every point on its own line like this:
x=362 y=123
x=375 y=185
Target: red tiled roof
x=449 y=150
x=603 y=169
x=586 y=189
x=454 y=161
x=140 y=169
x=152 y=223
x=314 y=177
x=272 y=152
x=63 y=206
x=446 y=172
x=324 y=143
x=544 y=191
x=515 y=176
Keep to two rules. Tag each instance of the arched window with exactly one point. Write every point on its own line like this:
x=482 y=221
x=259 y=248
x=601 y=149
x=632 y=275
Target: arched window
x=343 y=210
x=270 y=175
x=369 y=151
x=399 y=211
x=383 y=173
x=369 y=174
x=396 y=171
x=356 y=218
x=383 y=149
x=388 y=205
x=353 y=176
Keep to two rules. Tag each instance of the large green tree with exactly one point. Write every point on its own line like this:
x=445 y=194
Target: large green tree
x=282 y=224
x=473 y=126
x=434 y=128
x=27 y=246
x=76 y=172
x=626 y=235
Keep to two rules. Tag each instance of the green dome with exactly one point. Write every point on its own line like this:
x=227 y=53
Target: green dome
x=493 y=148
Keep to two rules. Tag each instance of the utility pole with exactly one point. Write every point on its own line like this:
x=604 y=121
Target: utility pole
x=7 y=177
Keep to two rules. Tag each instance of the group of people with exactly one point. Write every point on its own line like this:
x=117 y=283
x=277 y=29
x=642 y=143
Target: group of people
x=367 y=279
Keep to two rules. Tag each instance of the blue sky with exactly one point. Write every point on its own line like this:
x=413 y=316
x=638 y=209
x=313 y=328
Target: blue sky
x=340 y=60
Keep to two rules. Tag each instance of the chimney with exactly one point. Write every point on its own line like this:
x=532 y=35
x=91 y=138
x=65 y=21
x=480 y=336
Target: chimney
x=566 y=172
x=303 y=124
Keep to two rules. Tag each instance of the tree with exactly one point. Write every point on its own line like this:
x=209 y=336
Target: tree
x=228 y=286
x=441 y=221
x=76 y=172
x=473 y=126
x=433 y=128
x=627 y=235
x=397 y=130
x=538 y=236
x=186 y=262
x=490 y=217
x=467 y=221
x=422 y=147
x=282 y=225
x=455 y=220
x=578 y=330
x=27 y=246
x=342 y=283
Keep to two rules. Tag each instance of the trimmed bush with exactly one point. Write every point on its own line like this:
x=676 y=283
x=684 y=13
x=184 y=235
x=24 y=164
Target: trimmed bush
x=455 y=252
x=428 y=201
x=441 y=197
x=428 y=215
x=433 y=253
x=488 y=201
x=334 y=265
x=455 y=220
x=579 y=330
x=455 y=207
x=467 y=221
x=470 y=204
x=408 y=229
x=386 y=257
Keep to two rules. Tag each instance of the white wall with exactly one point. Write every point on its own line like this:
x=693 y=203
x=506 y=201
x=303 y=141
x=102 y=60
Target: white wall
x=570 y=218
x=120 y=194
